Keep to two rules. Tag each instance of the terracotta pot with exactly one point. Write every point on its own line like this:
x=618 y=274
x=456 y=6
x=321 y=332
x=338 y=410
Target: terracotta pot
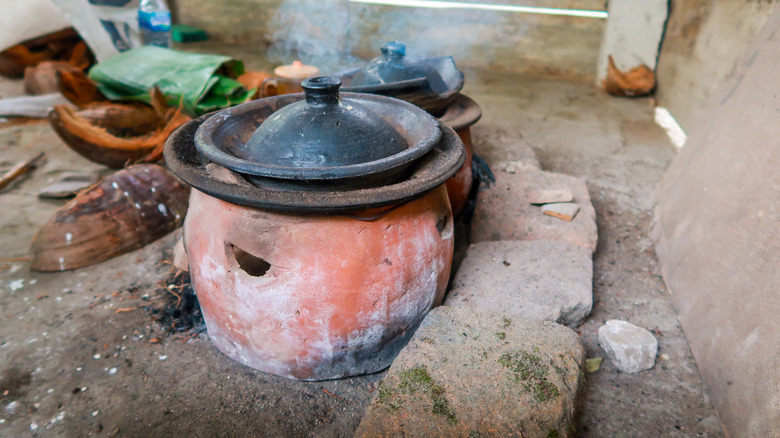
x=459 y=186
x=314 y=297
x=460 y=115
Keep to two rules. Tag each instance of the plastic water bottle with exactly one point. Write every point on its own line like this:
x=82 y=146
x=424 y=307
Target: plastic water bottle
x=154 y=20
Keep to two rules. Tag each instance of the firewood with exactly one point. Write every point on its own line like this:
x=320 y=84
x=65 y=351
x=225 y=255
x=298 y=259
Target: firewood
x=19 y=170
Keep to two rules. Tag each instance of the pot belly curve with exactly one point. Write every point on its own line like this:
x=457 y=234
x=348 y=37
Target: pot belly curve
x=314 y=297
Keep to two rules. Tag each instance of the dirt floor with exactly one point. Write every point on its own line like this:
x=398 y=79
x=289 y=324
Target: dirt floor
x=81 y=352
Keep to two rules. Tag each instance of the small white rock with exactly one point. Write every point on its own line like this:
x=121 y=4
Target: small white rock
x=632 y=349
x=96 y=356
x=13 y=407
x=15 y=285
x=163 y=357
x=113 y=370
x=95 y=413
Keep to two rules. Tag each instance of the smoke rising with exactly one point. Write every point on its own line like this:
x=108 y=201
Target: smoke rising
x=313 y=31
x=338 y=35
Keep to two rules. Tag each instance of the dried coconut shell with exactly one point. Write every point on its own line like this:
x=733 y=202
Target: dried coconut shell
x=78 y=88
x=639 y=81
x=99 y=145
x=15 y=60
x=124 y=212
x=42 y=78
x=122 y=119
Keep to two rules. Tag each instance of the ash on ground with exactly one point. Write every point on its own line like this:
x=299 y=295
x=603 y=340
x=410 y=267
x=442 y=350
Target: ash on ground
x=180 y=311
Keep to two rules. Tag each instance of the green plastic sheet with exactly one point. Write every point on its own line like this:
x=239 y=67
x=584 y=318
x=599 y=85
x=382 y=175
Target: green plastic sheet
x=199 y=83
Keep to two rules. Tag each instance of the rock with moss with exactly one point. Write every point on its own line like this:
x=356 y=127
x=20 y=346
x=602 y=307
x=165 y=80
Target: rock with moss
x=480 y=374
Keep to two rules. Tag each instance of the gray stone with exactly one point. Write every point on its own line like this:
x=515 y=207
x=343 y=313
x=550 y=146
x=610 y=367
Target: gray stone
x=566 y=211
x=504 y=213
x=515 y=166
x=13 y=407
x=69 y=185
x=632 y=349
x=468 y=373
x=549 y=196
x=64 y=189
x=538 y=279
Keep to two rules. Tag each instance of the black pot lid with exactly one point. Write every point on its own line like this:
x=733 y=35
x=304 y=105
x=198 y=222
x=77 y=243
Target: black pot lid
x=392 y=66
x=429 y=83
x=320 y=135
x=322 y=131
x=194 y=168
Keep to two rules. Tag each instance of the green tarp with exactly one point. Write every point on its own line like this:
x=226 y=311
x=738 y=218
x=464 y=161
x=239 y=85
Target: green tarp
x=201 y=83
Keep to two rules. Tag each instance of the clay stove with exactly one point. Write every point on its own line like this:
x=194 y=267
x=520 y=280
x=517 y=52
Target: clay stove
x=308 y=264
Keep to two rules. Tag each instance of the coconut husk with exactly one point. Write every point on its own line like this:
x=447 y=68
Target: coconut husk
x=101 y=146
x=253 y=80
x=65 y=45
x=124 y=212
x=175 y=118
x=122 y=119
x=78 y=88
x=42 y=78
x=15 y=60
x=639 y=81
x=80 y=57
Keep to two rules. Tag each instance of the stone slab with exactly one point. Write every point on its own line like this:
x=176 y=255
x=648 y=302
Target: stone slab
x=538 y=279
x=503 y=210
x=480 y=374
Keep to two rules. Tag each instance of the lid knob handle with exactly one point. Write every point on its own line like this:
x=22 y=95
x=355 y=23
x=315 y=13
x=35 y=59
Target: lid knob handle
x=394 y=49
x=321 y=90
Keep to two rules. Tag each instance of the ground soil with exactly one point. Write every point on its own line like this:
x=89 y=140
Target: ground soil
x=85 y=352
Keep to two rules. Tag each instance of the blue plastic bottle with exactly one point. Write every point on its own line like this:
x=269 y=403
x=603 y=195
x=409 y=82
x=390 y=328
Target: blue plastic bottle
x=154 y=20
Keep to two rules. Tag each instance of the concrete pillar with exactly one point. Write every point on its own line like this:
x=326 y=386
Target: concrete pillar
x=633 y=34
